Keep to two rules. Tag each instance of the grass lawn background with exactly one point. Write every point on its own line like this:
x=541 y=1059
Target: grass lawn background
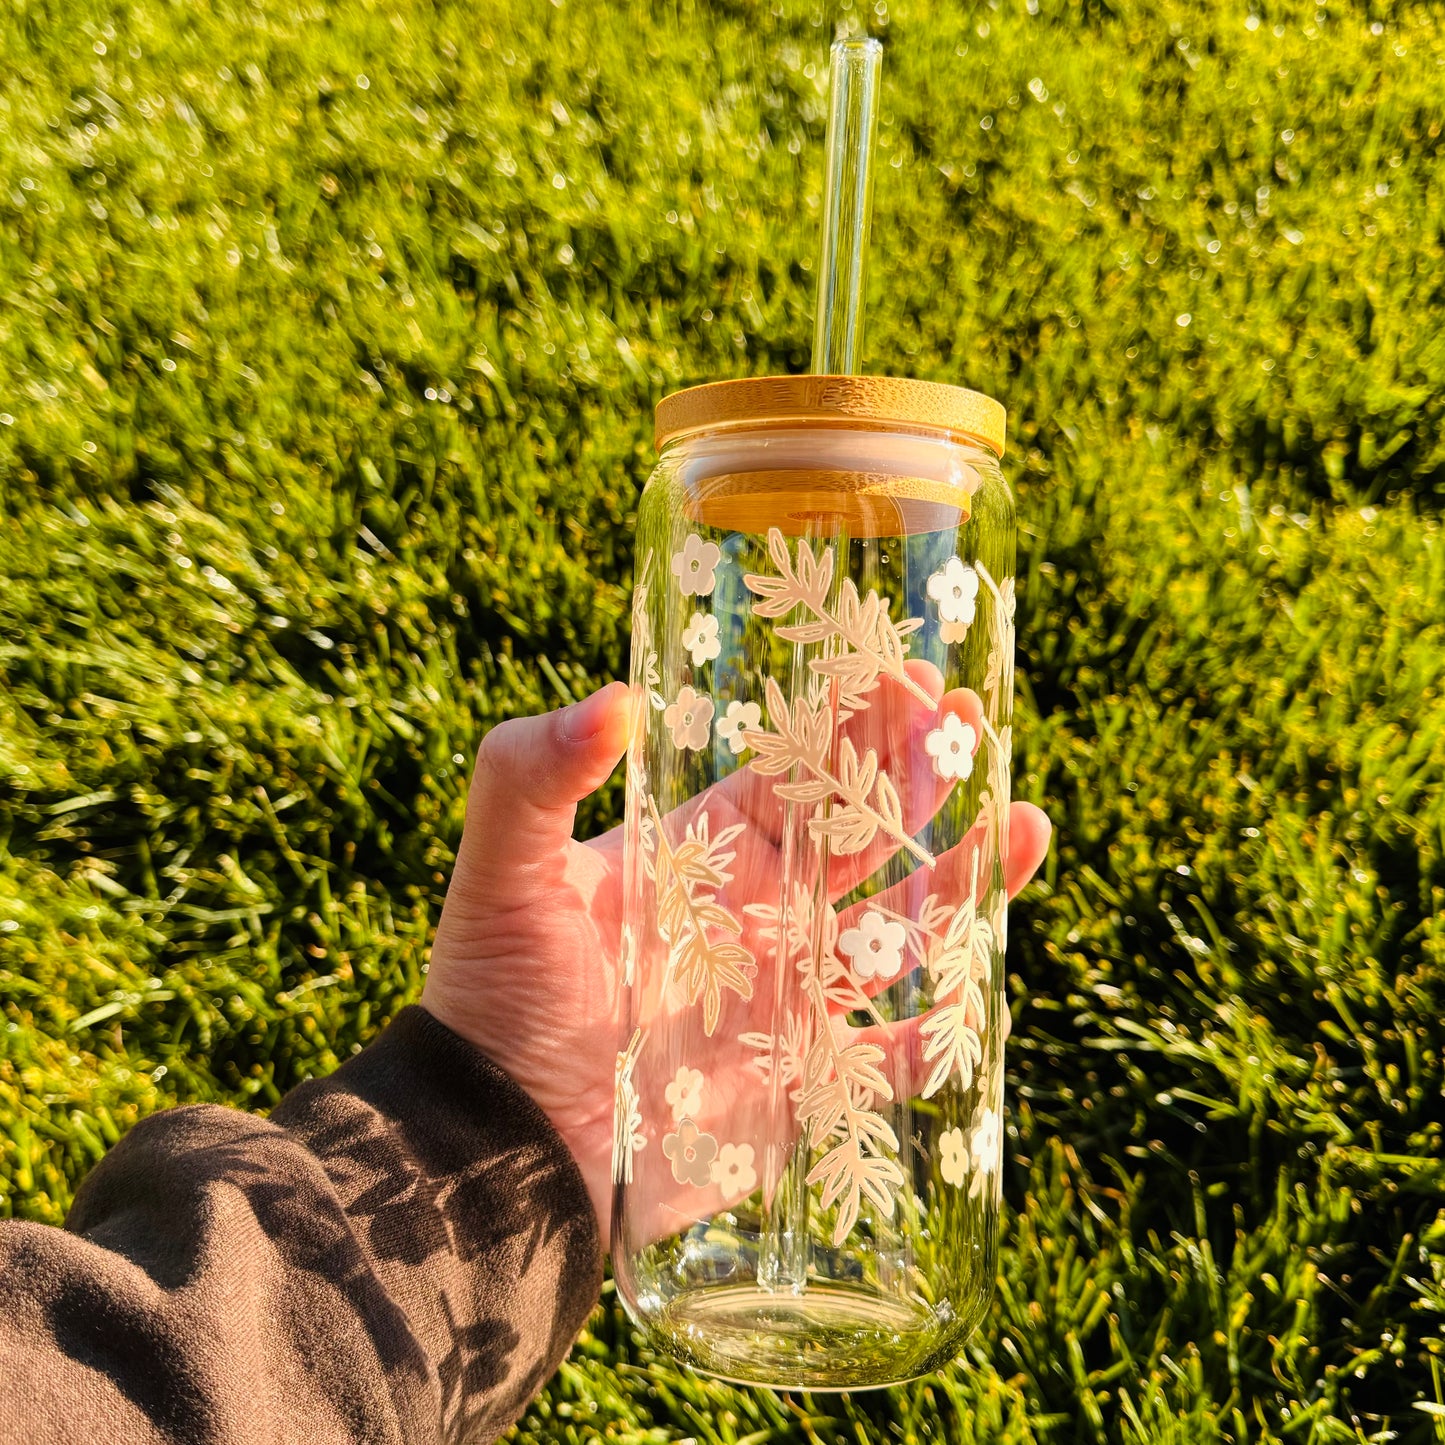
x=329 y=340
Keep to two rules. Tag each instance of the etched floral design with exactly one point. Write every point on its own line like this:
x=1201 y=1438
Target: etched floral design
x=645 y=673
x=684 y=1093
x=838 y=1084
x=627 y=1135
x=961 y=963
x=952 y=1157
x=692 y=1153
x=701 y=639
x=810 y=943
x=998 y=671
x=875 y=946
x=985 y=1153
x=955 y=589
x=687 y=909
x=866 y=643
x=842 y=1083
x=736 y=721
x=998 y=920
x=1000 y=746
x=836 y=1078
x=690 y=718
x=951 y=747
x=733 y=1170
x=802 y=743
x=695 y=566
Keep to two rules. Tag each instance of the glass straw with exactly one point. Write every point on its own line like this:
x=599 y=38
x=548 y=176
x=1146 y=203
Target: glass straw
x=847 y=205
x=837 y=338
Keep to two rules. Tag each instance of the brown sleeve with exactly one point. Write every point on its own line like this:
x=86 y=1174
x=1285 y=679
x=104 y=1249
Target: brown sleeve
x=403 y=1252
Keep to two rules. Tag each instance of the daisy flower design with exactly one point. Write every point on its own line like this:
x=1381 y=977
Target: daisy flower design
x=684 y=1093
x=955 y=589
x=733 y=1170
x=740 y=717
x=692 y=1153
x=695 y=566
x=951 y=747
x=700 y=637
x=875 y=946
x=985 y=1147
x=690 y=719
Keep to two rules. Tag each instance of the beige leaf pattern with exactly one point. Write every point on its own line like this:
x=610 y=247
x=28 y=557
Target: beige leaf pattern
x=645 y=670
x=958 y=967
x=627 y=1135
x=802 y=738
x=999 y=670
x=872 y=644
x=689 y=916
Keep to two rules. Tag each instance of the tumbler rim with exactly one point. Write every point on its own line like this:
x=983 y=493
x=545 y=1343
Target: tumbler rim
x=886 y=401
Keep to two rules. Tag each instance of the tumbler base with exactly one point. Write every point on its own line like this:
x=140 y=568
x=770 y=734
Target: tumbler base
x=824 y=1339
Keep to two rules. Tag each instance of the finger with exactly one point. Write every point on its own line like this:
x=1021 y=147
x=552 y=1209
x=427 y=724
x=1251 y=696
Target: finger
x=922 y=791
x=1029 y=832
x=530 y=775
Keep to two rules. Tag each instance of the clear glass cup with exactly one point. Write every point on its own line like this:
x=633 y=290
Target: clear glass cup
x=807 y=1137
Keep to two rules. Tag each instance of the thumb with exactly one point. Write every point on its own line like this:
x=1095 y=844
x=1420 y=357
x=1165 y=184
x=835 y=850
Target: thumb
x=531 y=773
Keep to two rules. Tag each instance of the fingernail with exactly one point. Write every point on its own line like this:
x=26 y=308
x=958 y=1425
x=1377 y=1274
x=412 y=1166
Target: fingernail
x=584 y=720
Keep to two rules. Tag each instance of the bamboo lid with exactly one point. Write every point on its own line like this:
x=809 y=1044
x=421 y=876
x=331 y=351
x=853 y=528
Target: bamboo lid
x=824 y=483
x=889 y=401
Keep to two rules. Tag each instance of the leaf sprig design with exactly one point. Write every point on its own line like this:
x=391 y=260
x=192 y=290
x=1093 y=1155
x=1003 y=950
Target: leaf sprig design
x=998 y=671
x=837 y=1085
x=802 y=739
x=958 y=967
x=645 y=668
x=841 y=1083
x=627 y=1135
x=871 y=642
x=687 y=909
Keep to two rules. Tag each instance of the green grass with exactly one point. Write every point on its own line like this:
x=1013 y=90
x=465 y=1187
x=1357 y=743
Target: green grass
x=329 y=339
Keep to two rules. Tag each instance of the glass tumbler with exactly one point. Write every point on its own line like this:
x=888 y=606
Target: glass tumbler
x=807 y=1125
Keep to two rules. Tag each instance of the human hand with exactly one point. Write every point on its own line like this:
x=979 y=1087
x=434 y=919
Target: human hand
x=526 y=965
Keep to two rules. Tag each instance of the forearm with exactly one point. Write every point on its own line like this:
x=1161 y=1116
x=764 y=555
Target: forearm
x=404 y=1252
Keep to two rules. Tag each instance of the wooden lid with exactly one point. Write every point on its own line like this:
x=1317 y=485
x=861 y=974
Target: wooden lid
x=884 y=401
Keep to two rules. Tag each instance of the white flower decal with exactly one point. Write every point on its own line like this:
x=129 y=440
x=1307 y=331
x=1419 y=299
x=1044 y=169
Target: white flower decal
x=690 y=719
x=998 y=768
x=985 y=1146
x=701 y=639
x=952 y=1160
x=733 y=1170
x=979 y=1161
x=955 y=589
x=739 y=717
x=695 y=565
x=875 y=946
x=950 y=746
x=692 y=1153
x=998 y=923
x=684 y=1093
